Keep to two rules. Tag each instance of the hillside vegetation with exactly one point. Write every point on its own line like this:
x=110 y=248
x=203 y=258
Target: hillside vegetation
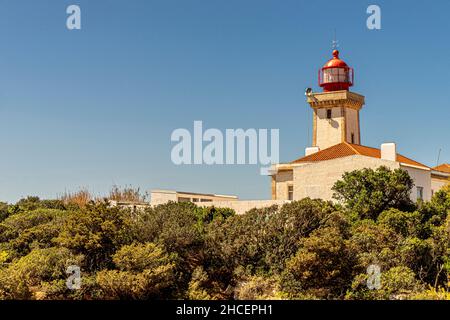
x=307 y=249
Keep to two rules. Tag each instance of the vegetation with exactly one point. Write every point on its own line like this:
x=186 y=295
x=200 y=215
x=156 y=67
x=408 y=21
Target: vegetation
x=307 y=249
x=126 y=194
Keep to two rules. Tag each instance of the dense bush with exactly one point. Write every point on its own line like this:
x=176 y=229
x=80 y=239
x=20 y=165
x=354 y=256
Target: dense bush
x=145 y=271
x=27 y=277
x=369 y=192
x=307 y=249
x=323 y=266
x=96 y=232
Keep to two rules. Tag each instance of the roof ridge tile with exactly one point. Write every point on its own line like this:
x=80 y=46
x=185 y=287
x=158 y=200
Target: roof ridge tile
x=351 y=146
x=345 y=149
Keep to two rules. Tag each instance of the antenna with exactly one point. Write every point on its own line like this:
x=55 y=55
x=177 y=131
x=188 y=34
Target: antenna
x=335 y=42
x=439 y=156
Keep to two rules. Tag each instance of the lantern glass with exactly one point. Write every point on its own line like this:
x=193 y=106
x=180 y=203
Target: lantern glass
x=334 y=75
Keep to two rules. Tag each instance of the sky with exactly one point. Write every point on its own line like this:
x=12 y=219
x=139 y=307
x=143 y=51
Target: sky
x=96 y=107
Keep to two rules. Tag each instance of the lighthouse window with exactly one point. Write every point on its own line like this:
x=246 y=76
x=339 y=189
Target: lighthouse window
x=330 y=75
x=328 y=113
x=353 y=138
x=342 y=75
x=335 y=75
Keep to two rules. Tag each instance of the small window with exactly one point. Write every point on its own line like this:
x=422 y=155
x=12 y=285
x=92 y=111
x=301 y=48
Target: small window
x=290 y=192
x=353 y=138
x=205 y=200
x=328 y=113
x=195 y=200
x=419 y=193
x=182 y=199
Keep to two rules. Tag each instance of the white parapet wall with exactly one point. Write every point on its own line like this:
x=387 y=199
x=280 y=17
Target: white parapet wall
x=212 y=200
x=163 y=196
x=242 y=206
x=239 y=206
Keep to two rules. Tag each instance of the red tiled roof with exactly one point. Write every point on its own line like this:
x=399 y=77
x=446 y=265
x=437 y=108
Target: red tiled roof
x=445 y=167
x=345 y=149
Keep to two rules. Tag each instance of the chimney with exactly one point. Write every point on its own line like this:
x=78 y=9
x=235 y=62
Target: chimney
x=389 y=151
x=311 y=150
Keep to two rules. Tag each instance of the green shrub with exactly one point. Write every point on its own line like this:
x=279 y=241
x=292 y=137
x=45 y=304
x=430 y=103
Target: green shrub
x=369 y=192
x=145 y=271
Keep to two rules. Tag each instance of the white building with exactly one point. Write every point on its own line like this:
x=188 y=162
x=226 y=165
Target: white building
x=336 y=149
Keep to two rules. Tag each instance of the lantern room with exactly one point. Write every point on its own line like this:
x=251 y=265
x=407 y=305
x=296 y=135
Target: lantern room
x=335 y=74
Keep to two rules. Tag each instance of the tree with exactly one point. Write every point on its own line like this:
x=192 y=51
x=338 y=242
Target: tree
x=145 y=271
x=173 y=225
x=257 y=288
x=374 y=243
x=369 y=192
x=417 y=255
x=232 y=243
x=4 y=212
x=31 y=229
x=292 y=222
x=28 y=276
x=29 y=203
x=95 y=231
x=208 y=214
x=323 y=266
x=403 y=223
x=199 y=286
x=396 y=283
x=177 y=228
x=263 y=239
x=435 y=212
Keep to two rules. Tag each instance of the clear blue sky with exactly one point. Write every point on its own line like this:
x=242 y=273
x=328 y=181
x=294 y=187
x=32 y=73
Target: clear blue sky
x=96 y=107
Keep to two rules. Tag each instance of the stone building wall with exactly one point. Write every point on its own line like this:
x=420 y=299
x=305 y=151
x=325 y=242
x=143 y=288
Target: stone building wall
x=315 y=180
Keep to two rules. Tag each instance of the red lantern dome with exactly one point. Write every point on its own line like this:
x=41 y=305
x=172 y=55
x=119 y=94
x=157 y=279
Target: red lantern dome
x=335 y=74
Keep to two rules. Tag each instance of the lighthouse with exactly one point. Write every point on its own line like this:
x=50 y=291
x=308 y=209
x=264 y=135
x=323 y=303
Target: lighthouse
x=336 y=109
